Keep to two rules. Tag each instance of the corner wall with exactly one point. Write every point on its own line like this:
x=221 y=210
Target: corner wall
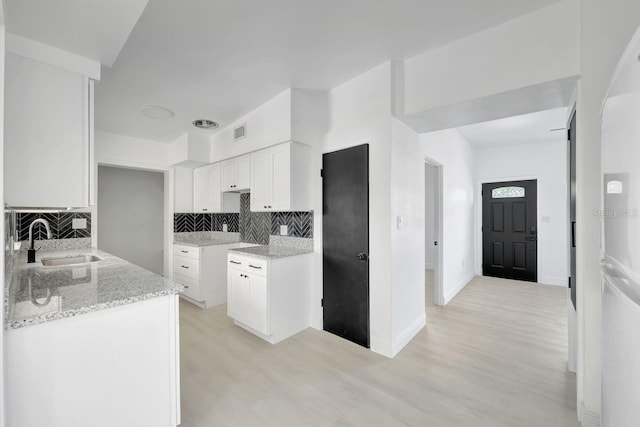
x=456 y=156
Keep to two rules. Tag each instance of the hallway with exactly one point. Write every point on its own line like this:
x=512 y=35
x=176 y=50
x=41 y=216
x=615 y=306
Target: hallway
x=494 y=356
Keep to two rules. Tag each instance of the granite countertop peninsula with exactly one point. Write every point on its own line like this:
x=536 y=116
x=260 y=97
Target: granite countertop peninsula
x=272 y=251
x=36 y=293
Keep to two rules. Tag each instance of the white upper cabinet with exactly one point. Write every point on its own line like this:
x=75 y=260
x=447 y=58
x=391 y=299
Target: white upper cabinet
x=236 y=174
x=48 y=135
x=207 y=196
x=183 y=190
x=280 y=178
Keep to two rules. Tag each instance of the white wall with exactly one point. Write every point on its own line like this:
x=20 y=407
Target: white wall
x=267 y=125
x=122 y=150
x=456 y=156
x=547 y=162
x=499 y=59
x=131 y=212
x=359 y=112
x=429 y=225
x=407 y=240
x=607 y=27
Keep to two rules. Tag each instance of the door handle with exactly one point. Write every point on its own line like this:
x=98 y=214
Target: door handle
x=362 y=257
x=531 y=239
x=573 y=234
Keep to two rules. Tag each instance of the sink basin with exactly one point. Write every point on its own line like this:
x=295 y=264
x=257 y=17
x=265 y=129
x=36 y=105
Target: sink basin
x=80 y=259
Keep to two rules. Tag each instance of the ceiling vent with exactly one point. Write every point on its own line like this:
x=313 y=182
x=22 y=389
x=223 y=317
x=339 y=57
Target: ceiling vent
x=240 y=132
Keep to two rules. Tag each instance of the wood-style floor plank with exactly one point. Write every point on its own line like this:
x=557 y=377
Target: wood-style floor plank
x=494 y=356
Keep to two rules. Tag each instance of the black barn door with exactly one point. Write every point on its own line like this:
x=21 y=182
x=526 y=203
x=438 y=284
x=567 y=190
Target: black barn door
x=345 y=237
x=509 y=230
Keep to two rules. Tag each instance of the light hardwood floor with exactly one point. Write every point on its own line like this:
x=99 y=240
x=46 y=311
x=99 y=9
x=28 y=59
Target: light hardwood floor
x=494 y=356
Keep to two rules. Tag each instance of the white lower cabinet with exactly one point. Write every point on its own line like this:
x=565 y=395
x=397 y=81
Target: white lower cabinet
x=203 y=272
x=114 y=367
x=269 y=298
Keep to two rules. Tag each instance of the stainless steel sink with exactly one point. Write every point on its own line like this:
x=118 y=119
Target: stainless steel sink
x=80 y=259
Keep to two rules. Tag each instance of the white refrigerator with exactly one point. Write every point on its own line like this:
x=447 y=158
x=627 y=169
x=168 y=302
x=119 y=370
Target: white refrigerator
x=621 y=244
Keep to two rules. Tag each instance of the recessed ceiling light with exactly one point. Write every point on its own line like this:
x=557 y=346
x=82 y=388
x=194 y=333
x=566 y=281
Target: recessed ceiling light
x=157 y=112
x=205 y=124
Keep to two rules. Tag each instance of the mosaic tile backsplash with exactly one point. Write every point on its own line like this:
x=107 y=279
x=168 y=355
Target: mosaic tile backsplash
x=254 y=227
x=59 y=222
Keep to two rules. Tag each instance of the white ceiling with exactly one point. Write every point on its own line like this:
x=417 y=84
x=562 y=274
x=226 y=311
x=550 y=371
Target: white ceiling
x=219 y=59
x=96 y=29
x=523 y=129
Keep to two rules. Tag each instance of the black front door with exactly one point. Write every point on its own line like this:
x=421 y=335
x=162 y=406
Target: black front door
x=345 y=237
x=509 y=230
x=572 y=206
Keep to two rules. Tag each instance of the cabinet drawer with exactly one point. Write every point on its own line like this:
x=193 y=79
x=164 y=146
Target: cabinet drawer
x=186 y=266
x=191 y=286
x=186 y=251
x=247 y=264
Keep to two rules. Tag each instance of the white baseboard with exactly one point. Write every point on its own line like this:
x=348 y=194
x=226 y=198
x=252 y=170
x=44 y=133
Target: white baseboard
x=405 y=337
x=554 y=281
x=450 y=295
x=589 y=418
x=391 y=350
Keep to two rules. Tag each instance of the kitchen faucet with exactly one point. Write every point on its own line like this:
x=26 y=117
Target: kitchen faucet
x=31 y=252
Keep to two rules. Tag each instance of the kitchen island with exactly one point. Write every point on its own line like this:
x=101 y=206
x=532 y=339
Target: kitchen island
x=94 y=342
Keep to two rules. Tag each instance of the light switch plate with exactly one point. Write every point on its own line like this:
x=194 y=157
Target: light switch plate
x=225 y=228
x=284 y=230
x=79 y=223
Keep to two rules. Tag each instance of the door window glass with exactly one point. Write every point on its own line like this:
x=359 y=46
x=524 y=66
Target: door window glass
x=507 y=192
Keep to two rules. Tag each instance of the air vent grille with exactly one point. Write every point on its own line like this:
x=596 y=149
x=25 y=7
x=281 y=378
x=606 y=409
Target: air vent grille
x=240 y=132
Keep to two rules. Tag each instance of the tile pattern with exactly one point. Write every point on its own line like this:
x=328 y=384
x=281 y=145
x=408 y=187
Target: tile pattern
x=254 y=227
x=192 y=222
x=299 y=224
x=59 y=222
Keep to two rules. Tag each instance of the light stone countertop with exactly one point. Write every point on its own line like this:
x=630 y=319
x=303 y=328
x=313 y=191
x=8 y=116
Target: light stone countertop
x=210 y=242
x=271 y=251
x=38 y=294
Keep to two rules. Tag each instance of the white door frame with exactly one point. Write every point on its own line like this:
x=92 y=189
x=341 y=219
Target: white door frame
x=479 y=183
x=438 y=283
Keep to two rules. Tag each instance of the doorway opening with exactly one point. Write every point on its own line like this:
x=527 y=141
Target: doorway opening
x=510 y=230
x=433 y=229
x=131 y=211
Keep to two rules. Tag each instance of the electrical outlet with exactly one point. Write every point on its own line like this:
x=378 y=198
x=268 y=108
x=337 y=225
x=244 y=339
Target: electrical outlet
x=79 y=223
x=284 y=230
x=225 y=228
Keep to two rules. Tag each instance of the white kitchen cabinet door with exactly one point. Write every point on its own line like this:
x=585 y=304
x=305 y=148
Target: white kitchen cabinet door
x=238 y=295
x=280 y=165
x=243 y=172
x=214 y=190
x=280 y=178
x=257 y=313
x=201 y=189
x=229 y=175
x=182 y=190
x=207 y=196
x=48 y=135
x=260 y=180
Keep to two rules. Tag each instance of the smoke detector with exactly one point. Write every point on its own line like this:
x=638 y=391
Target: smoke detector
x=205 y=124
